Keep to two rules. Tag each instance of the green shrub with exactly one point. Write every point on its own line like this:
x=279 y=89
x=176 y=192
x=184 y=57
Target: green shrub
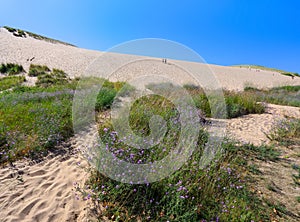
x=105 y=98
x=57 y=73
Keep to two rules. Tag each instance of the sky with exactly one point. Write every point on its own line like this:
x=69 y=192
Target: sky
x=223 y=32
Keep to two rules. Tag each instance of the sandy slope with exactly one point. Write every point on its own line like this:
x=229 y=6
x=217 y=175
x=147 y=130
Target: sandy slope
x=76 y=61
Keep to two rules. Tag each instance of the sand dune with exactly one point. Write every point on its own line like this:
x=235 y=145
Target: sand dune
x=76 y=61
x=44 y=191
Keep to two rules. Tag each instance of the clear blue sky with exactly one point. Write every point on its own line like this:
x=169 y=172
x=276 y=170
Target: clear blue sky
x=225 y=32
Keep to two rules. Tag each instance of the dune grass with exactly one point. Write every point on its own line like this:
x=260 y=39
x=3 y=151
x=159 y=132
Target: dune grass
x=32 y=123
x=47 y=77
x=237 y=104
x=11 y=69
x=36 y=119
x=11 y=81
x=284 y=95
x=287 y=133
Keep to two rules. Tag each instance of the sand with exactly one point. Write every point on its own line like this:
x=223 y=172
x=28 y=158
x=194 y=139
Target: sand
x=254 y=128
x=44 y=191
x=76 y=61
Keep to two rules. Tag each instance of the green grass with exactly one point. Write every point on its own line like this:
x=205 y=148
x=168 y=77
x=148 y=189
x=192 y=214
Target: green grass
x=46 y=77
x=11 y=69
x=36 y=119
x=237 y=104
x=11 y=81
x=38 y=70
x=32 y=123
x=284 y=95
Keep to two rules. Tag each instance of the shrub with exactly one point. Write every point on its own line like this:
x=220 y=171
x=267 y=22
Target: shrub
x=105 y=98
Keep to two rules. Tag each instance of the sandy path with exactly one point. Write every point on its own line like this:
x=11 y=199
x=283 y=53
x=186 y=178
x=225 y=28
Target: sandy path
x=44 y=191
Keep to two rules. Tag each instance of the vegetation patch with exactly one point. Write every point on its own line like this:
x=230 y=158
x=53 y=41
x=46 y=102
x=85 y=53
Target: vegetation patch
x=284 y=95
x=46 y=77
x=219 y=192
x=237 y=104
x=38 y=70
x=11 y=81
x=11 y=69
